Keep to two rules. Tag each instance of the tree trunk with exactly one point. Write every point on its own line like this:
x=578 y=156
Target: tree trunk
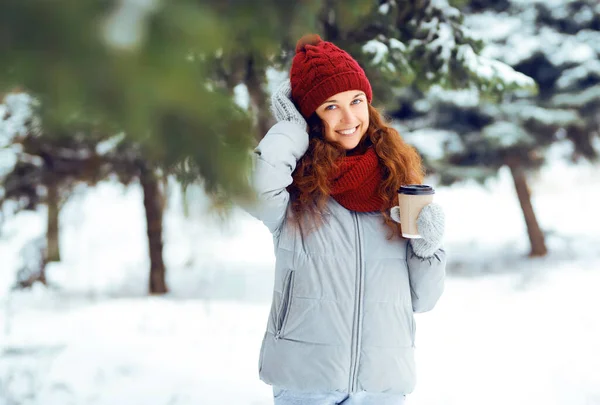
x=255 y=79
x=154 y=212
x=52 y=242
x=536 y=237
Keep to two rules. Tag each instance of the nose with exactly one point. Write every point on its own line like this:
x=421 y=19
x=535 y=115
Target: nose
x=347 y=115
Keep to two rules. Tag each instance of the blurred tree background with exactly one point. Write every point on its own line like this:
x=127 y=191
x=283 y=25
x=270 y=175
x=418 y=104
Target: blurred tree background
x=146 y=90
x=479 y=135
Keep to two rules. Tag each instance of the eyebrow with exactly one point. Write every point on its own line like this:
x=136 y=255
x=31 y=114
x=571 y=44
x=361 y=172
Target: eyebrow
x=335 y=101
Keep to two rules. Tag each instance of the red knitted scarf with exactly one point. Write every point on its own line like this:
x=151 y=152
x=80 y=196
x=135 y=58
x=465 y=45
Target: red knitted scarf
x=355 y=183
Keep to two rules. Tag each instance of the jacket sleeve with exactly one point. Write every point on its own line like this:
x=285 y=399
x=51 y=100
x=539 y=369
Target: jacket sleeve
x=426 y=278
x=275 y=159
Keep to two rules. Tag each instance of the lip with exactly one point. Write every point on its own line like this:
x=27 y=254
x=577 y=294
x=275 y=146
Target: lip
x=352 y=134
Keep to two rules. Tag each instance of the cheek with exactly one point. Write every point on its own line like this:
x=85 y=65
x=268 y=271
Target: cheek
x=329 y=134
x=364 y=116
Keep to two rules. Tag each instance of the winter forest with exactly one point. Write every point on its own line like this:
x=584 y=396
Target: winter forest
x=128 y=272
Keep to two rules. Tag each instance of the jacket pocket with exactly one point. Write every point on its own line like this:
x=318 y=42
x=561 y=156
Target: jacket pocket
x=286 y=300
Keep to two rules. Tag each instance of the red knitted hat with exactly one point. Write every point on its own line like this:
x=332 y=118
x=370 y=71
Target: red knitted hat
x=319 y=70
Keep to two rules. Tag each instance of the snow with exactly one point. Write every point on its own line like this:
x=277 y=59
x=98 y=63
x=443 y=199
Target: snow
x=8 y=159
x=443 y=44
x=506 y=330
x=441 y=37
x=554 y=117
x=570 y=77
x=450 y=12
x=492 y=26
x=569 y=49
x=241 y=96
x=468 y=97
x=507 y=134
x=396 y=44
x=491 y=69
x=17 y=118
x=515 y=342
x=584 y=16
x=377 y=48
x=13 y=238
x=558 y=5
x=106 y=146
x=434 y=143
x=578 y=100
x=275 y=78
x=384 y=8
x=514 y=38
x=125 y=27
x=590 y=37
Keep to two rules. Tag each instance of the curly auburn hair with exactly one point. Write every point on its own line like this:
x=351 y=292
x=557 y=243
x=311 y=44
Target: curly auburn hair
x=311 y=186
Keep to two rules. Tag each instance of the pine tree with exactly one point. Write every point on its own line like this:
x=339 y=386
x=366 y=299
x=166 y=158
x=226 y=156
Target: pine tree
x=419 y=43
x=98 y=76
x=162 y=77
x=558 y=45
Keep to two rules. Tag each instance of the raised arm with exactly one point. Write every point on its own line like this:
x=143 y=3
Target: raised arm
x=275 y=159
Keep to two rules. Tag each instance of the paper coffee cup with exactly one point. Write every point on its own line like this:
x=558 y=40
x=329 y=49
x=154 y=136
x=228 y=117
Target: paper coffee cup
x=411 y=200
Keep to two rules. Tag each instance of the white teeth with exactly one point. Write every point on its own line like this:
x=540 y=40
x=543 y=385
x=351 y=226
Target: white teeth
x=348 y=131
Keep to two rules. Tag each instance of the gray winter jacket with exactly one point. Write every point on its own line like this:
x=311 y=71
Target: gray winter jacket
x=342 y=311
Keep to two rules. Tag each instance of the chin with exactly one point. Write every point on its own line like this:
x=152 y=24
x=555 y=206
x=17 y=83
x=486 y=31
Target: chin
x=350 y=146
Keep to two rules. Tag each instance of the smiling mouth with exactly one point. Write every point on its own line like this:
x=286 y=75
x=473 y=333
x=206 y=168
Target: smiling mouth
x=348 y=132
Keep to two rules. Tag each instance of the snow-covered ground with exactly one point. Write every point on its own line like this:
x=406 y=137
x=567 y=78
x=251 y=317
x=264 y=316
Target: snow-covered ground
x=508 y=330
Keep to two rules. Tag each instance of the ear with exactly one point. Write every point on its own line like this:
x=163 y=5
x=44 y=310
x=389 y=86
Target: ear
x=395 y=214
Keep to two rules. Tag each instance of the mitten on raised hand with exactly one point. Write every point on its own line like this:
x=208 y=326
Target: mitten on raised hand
x=283 y=108
x=431 y=224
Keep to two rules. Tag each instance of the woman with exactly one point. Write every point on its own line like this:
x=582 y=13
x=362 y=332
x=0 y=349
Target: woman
x=341 y=327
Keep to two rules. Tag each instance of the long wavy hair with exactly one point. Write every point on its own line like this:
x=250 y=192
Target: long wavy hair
x=311 y=185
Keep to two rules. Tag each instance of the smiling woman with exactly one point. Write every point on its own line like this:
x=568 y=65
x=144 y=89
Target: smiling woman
x=341 y=328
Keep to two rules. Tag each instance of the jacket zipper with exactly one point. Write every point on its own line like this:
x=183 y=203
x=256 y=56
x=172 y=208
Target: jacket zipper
x=285 y=304
x=356 y=332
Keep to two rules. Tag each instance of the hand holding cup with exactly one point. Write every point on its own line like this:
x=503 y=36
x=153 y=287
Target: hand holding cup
x=422 y=220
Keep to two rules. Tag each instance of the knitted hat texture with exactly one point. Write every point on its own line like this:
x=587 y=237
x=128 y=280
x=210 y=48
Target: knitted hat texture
x=320 y=70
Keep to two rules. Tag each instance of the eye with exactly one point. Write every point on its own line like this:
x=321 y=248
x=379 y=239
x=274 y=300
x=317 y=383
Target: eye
x=330 y=107
x=357 y=101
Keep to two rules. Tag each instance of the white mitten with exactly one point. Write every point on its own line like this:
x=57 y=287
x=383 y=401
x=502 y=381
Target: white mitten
x=430 y=223
x=282 y=106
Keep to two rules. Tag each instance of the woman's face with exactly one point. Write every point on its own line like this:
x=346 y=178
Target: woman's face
x=345 y=118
